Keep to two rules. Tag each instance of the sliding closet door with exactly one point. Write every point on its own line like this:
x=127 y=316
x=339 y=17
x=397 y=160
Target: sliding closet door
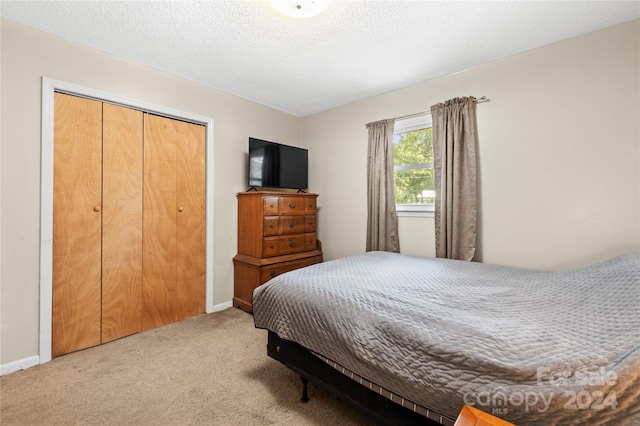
x=77 y=205
x=121 y=222
x=173 y=234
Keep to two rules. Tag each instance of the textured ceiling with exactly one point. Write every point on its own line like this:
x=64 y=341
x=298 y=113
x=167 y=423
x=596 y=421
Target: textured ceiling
x=351 y=51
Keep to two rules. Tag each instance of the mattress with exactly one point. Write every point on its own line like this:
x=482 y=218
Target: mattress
x=528 y=346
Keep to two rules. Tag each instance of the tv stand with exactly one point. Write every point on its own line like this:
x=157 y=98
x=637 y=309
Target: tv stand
x=253 y=188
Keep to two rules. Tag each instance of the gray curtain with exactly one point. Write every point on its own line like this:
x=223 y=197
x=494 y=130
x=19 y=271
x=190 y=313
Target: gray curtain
x=454 y=154
x=382 y=222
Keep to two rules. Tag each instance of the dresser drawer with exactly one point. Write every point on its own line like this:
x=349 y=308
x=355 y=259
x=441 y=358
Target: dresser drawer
x=270 y=205
x=291 y=244
x=288 y=225
x=310 y=241
x=270 y=246
x=310 y=205
x=292 y=224
x=292 y=205
x=271 y=225
x=310 y=223
x=271 y=271
x=287 y=244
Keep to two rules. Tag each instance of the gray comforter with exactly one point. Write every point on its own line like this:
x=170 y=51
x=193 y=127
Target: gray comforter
x=531 y=347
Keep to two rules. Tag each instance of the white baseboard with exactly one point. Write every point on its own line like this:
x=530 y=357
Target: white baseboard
x=221 y=306
x=21 y=364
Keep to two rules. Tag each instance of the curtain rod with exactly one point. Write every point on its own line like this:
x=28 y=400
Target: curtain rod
x=476 y=100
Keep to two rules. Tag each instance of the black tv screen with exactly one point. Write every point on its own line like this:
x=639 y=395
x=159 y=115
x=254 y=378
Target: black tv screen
x=273 y=165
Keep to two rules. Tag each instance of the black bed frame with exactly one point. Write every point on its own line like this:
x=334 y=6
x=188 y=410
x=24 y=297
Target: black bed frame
x=311 y=368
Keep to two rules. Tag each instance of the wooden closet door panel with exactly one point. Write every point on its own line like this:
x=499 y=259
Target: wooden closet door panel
x=121 y=222
x=190 y=237
x=159 y=229
x=77 y=186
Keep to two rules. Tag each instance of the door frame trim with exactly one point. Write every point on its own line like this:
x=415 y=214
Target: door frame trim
x=49 y=87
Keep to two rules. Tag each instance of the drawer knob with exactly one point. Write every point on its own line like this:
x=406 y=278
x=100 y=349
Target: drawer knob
x=292 y=224
x=273 y=273
x=292 y=244
x=292 y=205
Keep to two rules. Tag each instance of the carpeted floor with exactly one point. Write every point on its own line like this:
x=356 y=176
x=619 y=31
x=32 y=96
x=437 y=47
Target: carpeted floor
x=209 y=370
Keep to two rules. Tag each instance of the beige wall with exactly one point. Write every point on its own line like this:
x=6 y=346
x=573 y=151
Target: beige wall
x=559 y=157
x=27 y=56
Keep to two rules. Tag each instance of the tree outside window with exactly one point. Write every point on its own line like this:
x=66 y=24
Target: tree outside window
x=413 y=166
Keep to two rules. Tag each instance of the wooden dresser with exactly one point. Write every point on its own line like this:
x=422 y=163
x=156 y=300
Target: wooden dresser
x=276 y=234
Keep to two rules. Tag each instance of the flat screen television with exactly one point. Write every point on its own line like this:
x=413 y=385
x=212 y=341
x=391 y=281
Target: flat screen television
x=274 y=165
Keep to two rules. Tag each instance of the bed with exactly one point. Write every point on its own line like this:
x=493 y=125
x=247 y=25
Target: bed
x=412 y=339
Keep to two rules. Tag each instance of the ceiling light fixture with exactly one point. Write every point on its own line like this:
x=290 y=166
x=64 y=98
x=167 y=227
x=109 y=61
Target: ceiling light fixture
x=299 y=8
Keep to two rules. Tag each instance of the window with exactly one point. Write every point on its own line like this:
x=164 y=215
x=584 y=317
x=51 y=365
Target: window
x=413 y=166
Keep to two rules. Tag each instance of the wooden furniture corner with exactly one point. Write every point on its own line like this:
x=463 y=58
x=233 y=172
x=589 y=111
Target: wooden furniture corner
x=470 y=416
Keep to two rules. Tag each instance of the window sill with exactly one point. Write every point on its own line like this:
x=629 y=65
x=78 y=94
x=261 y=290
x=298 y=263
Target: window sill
x=414 y=213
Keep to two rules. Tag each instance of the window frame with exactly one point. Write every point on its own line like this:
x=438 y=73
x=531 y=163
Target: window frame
x=404 y=125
